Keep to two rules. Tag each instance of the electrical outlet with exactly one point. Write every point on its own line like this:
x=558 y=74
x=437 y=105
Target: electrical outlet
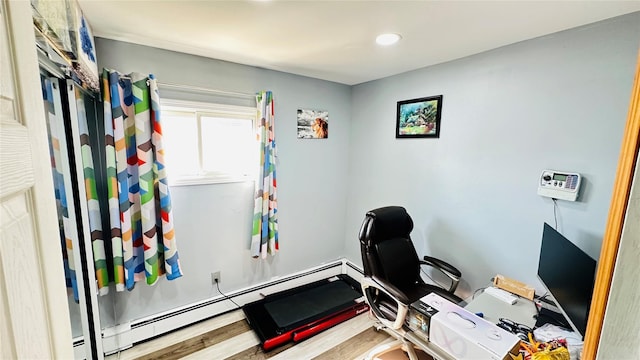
x=215 y=277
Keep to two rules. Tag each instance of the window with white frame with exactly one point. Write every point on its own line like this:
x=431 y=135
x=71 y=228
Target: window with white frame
x=208 y=143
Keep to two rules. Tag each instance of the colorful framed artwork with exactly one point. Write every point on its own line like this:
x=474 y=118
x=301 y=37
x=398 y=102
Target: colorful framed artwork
x=419 y=118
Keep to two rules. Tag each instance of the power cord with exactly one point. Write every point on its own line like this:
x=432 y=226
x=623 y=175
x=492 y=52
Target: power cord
x=555 y=216
x=543 y=296
x=225 y=296
x=539 y=300
x=477 y=291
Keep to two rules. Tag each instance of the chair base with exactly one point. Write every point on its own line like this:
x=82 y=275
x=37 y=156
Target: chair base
x=398 y=349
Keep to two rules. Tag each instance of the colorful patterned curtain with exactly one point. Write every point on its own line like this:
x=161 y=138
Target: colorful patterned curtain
x=91 y=193
x=59 y=167
x=142 y=235
x=265 y=215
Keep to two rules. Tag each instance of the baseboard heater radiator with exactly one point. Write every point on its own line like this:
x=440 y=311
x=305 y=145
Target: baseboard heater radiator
x=299 y=313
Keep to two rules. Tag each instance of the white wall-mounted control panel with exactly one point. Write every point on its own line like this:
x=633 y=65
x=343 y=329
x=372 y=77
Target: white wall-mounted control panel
x=559 y=185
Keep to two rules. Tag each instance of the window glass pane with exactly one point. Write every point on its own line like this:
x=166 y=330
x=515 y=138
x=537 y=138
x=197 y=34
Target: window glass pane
x=180 y=140
x=228 y=145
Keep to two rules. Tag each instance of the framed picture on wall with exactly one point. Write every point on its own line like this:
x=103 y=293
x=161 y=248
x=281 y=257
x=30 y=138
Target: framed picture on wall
x=313 y=124
x=419 y=118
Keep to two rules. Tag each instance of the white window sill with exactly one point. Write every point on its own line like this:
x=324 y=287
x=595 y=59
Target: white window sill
x=207 y=180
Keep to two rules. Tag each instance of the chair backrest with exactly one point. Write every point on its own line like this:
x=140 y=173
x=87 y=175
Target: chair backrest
x=386 y=248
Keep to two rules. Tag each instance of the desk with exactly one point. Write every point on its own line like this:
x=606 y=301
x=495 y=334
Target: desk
x=522 y=312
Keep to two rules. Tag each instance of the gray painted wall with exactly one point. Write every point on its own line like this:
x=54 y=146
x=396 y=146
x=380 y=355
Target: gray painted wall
x=213 y=222
x=556 y=102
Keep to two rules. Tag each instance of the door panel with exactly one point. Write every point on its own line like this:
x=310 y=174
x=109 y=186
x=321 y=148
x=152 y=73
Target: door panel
x=17 y=255
x=32 y=297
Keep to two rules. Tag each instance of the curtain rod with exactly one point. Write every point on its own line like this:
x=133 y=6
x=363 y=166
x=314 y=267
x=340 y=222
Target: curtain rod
x=201 y=89
x=48 y=65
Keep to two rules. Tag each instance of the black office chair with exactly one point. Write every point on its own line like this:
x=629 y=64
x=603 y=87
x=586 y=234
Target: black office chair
x=392 y=280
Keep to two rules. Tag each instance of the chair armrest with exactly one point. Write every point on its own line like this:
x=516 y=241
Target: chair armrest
x=444 y=267
x=391 y=290
x=403 y=307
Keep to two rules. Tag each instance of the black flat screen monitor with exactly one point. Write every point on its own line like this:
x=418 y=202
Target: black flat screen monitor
x=568 y=273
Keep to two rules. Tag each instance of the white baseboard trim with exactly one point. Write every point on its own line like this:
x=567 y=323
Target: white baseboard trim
x=124 y=336
x=354 y=271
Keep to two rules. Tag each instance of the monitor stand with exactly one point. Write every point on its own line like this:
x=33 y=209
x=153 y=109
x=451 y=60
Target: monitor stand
x=546 y=316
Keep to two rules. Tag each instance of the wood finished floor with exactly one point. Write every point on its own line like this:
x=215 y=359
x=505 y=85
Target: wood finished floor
x=229 y=337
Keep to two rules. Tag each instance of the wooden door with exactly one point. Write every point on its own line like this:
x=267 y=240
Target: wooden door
x=33 y=304
x=607 y=266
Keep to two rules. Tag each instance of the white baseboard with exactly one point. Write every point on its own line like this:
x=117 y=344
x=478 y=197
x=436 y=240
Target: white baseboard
x=124 y=336
x=352 y=270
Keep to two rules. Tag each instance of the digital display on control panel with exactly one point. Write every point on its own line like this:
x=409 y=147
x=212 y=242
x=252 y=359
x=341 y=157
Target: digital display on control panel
x=559 y=185
x=559 y=177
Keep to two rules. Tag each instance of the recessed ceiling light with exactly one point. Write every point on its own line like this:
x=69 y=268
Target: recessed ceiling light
x=388 y=39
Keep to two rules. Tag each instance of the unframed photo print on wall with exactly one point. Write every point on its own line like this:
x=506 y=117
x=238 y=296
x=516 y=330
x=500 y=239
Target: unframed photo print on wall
x=313 y=124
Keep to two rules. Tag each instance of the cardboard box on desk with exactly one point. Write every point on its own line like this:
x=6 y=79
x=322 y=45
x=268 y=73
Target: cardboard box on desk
x=464 y=335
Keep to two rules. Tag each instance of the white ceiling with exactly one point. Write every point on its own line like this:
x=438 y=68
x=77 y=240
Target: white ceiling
x=334 y=40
